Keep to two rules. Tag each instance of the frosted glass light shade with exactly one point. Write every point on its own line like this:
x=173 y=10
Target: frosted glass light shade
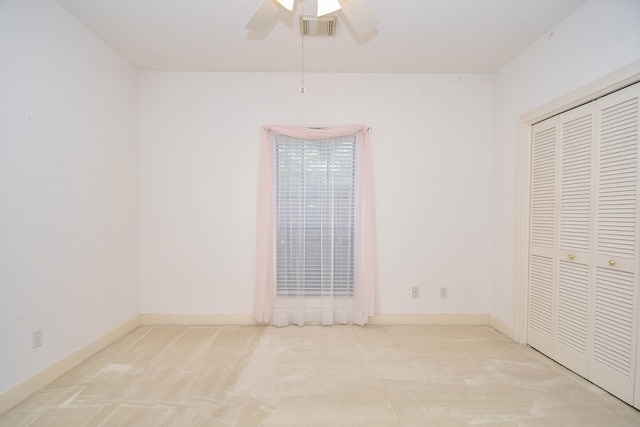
x=327 y=6
x=287 y=4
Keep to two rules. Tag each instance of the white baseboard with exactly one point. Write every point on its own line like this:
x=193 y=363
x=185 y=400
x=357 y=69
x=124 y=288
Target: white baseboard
x=429 y=319
x=378 y=319
x=501 y=327
x=213 y=319
x=19 y=393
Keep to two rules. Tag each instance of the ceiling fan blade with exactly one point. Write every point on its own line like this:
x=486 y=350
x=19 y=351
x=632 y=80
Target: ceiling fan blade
x=287 y=4
x=265 y=15
x=360 y=16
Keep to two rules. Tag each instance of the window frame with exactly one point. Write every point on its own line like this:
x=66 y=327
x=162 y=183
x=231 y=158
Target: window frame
x=300 y=155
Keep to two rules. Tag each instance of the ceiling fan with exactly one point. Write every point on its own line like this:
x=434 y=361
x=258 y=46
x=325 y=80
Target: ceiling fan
x=357 y=12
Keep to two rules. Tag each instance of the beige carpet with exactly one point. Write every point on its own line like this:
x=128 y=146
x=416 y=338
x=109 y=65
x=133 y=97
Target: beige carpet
x=323 y=376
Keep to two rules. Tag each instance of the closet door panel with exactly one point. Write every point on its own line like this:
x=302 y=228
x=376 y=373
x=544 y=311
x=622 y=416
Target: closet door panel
x=541 y=289
x=575 y=237
x=572 y=316
x=542 y=270
x=613 y=362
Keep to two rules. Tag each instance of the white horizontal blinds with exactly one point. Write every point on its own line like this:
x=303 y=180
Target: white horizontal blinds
x=315 y=216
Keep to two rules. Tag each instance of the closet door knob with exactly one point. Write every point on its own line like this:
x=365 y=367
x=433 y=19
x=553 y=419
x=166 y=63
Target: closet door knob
x=612 y=262
x=571 y=256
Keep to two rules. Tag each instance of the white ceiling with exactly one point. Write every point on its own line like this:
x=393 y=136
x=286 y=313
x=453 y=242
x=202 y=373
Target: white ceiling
x=413 y=36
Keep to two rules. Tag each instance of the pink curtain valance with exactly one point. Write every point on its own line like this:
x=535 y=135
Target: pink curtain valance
x=304 y=132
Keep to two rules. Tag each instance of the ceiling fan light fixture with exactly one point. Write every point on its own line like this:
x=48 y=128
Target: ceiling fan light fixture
x=287 y=4
x=327 y=6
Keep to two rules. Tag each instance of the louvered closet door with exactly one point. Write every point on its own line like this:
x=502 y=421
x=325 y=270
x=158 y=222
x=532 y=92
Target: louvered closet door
x=543 y=237
x=585 y=241
x=576 y=141
x=613 y=360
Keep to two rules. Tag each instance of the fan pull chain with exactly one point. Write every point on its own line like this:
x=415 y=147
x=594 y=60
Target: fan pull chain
x=302 y=68
x=302 y=52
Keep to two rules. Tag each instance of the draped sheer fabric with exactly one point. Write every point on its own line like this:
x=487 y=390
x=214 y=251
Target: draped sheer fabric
x=281 y=308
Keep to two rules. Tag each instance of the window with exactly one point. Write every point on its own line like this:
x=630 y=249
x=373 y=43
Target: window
x=316 y=233
x=315 y=216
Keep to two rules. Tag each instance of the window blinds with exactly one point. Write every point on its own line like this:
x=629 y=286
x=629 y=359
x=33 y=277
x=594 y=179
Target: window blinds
x=315 y=216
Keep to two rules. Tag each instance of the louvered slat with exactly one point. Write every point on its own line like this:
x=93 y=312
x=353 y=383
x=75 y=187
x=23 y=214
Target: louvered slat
x=613 y=338
x=575 y=193
x=573 y=303
x=616 y=231
x=541 y=294
x=543 y=188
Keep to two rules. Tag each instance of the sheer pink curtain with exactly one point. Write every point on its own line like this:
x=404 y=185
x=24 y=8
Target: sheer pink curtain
x=363 y=303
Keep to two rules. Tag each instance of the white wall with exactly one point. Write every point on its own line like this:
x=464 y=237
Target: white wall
x=599 y=38
x=199 y=156
x=445 y=172
x=68 y=188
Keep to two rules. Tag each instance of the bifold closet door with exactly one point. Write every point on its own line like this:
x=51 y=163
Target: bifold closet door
x=561 y=237
x=615 y=315
x=585 y=241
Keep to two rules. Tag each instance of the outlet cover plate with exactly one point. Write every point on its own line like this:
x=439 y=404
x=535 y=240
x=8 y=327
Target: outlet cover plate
x=37 y=338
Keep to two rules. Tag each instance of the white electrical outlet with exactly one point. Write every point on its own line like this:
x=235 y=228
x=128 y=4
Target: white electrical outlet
x=443 y=292
x=415 y=292
x=37 y=338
